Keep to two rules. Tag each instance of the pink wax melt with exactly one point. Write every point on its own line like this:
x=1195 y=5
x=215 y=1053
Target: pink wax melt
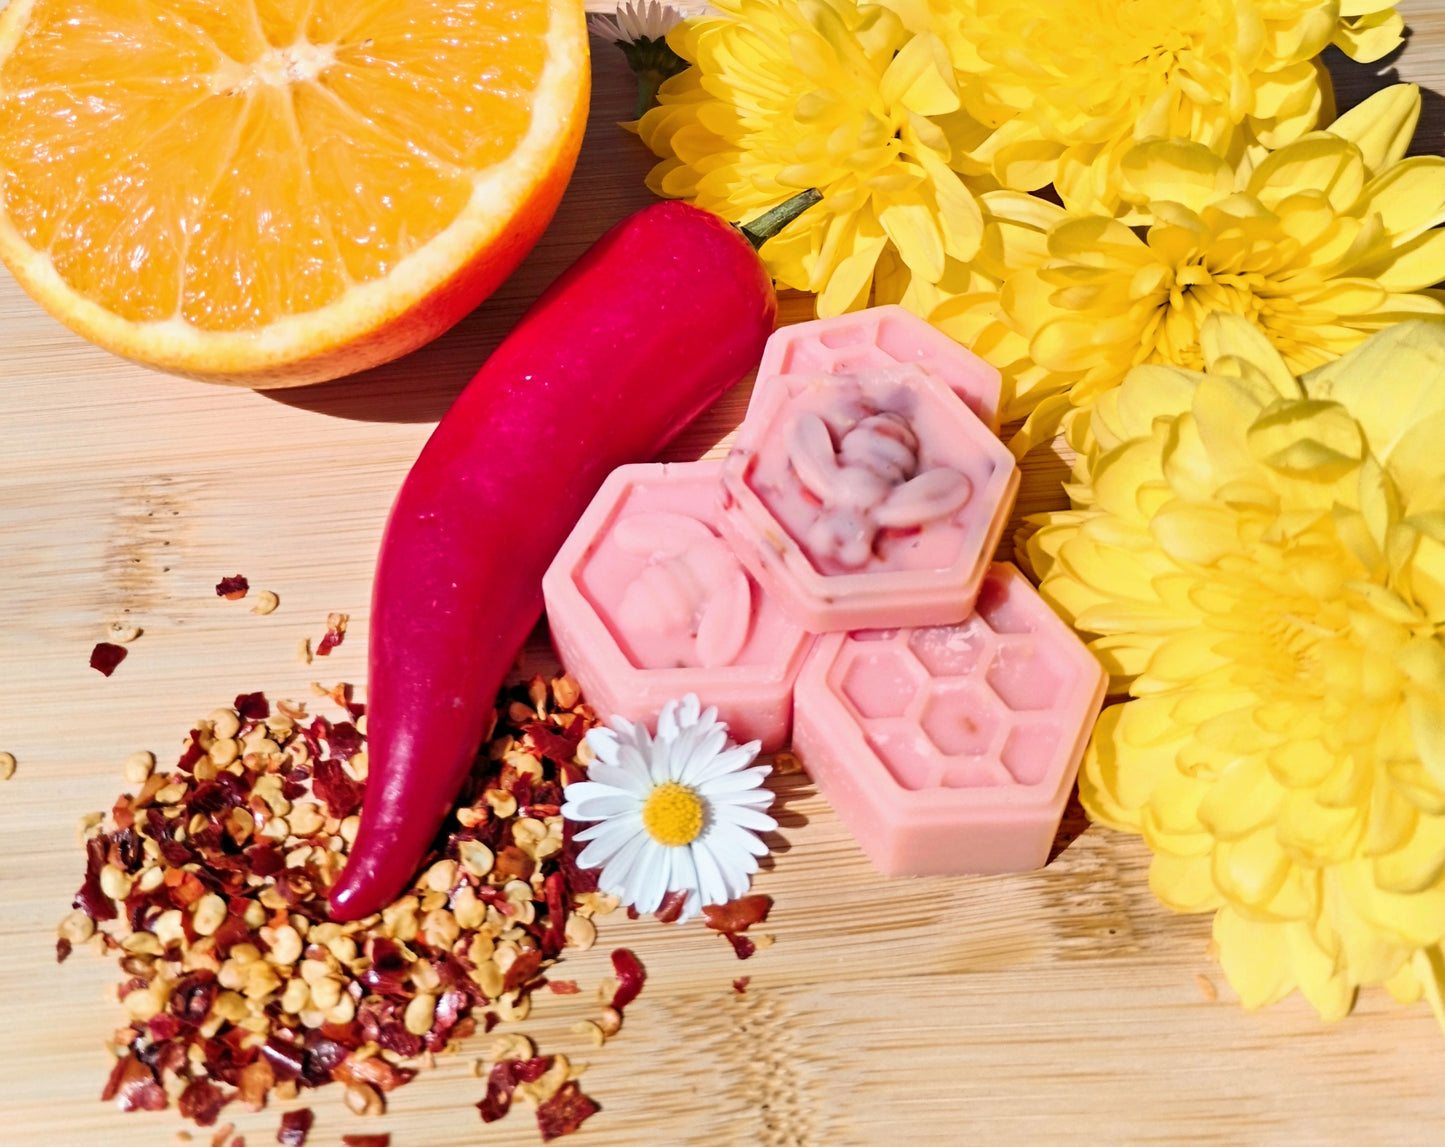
x=951 y=749
x=647 y=603
x=882 y=337
x=867 y=497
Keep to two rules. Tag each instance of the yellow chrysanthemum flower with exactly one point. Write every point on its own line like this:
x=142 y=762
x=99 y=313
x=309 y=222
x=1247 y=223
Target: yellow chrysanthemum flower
x=1325 y=241
x=785 y=95
x=1262 y=561
x=1068 y=86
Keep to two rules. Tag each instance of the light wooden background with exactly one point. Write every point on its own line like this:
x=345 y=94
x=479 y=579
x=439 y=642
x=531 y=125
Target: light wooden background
x=1063 y=1005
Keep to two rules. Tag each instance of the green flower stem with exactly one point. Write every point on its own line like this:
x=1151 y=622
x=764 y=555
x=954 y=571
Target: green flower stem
x=647 y=85
x=770 y=222
x=652 y=61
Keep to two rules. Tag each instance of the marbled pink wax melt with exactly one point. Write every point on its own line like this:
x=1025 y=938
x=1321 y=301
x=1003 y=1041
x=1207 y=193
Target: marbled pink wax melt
x=868 y=497
x=882 y=337
x=951 y=749
x=647 y=603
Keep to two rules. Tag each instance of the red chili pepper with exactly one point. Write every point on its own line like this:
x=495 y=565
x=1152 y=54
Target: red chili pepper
x=651 y=325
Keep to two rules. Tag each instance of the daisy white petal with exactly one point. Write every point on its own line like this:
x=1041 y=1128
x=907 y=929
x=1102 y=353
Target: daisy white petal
x=599 y=805
x=684 y=876
x=711 y=886
x=615 y=873
x=760 y=796
x=738 y=837
x=632 y=758
x=745 y=817
x=603 y=741
x=737 y=871
x=593 y=787
x=732 y=760
x=608 y=838
x=735 y=782
x=619 y=778
x=650 y=881
x=706 y=747
x=659 y=763
x=667 y=729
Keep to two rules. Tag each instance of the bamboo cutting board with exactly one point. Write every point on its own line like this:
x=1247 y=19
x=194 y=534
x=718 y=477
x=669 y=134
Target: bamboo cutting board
x=1058 y=1005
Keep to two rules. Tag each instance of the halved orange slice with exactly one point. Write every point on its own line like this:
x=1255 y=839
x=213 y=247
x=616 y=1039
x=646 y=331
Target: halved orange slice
x=276 y=192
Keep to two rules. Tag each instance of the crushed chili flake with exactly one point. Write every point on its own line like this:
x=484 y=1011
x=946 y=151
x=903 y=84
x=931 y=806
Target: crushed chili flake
x=232 y=854
x=252 y=707
x=564 y=1112
x=232 y=588
x=741 y=945
x=63 y=949
x=133 y=1086
x=295 y=1127
x=106 y=656
x=383 y=1140
x=738 y=915
x=630 y=977
x=670 y=910
x=563 y=987
x=740 y=985
x=335 y=633
x=501 y=1083
x=201 y=1101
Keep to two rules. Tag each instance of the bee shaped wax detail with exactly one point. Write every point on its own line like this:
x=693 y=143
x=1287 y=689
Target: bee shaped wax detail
x=692 y=583
x=869 y=481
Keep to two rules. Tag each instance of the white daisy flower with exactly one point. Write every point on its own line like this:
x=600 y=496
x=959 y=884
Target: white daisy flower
x=648 y=20
x=678 y=812
x=640 y=30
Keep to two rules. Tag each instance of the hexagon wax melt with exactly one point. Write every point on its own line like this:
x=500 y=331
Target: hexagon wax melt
x=883 y=336
x=952 y=749
x=866 y=492
x=646 y=603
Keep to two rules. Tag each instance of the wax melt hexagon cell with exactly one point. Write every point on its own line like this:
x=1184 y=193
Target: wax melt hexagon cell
x=951 y=749
x=646 y=603
x=863 y=490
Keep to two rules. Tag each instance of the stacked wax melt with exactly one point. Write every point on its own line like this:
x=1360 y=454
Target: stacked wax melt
x=832 y=579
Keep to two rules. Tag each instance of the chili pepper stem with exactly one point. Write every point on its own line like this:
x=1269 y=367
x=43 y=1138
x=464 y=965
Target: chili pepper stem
x=773 y=220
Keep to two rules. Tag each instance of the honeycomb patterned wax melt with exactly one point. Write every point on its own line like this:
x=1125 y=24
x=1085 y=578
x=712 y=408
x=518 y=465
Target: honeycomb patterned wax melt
x=646 y=603
x=951 y=749
x=882 y=337
x=863 y=490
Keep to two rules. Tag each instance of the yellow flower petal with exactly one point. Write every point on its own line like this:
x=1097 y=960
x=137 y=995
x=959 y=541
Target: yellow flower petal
x=1241 y=800
x=920 y=78
x=847 y=286
x=1322 y=162
x=1254 y=957
x=1183 y=883
x=1419 y=862
x=1410 y=196
x=1429 y=968
x=1372 y=37
x=1178 y=170
x=1389 y=385
x=1382 y=125
x=1310 y=439
x=914 y=231
x=1410 y=266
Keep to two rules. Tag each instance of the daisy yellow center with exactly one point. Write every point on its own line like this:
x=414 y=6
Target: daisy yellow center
x=673 y=815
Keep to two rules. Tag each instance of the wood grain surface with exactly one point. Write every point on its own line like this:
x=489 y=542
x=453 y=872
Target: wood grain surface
x=1063 y=1005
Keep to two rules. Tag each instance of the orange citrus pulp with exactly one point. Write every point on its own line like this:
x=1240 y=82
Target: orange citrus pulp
x=274 y=192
